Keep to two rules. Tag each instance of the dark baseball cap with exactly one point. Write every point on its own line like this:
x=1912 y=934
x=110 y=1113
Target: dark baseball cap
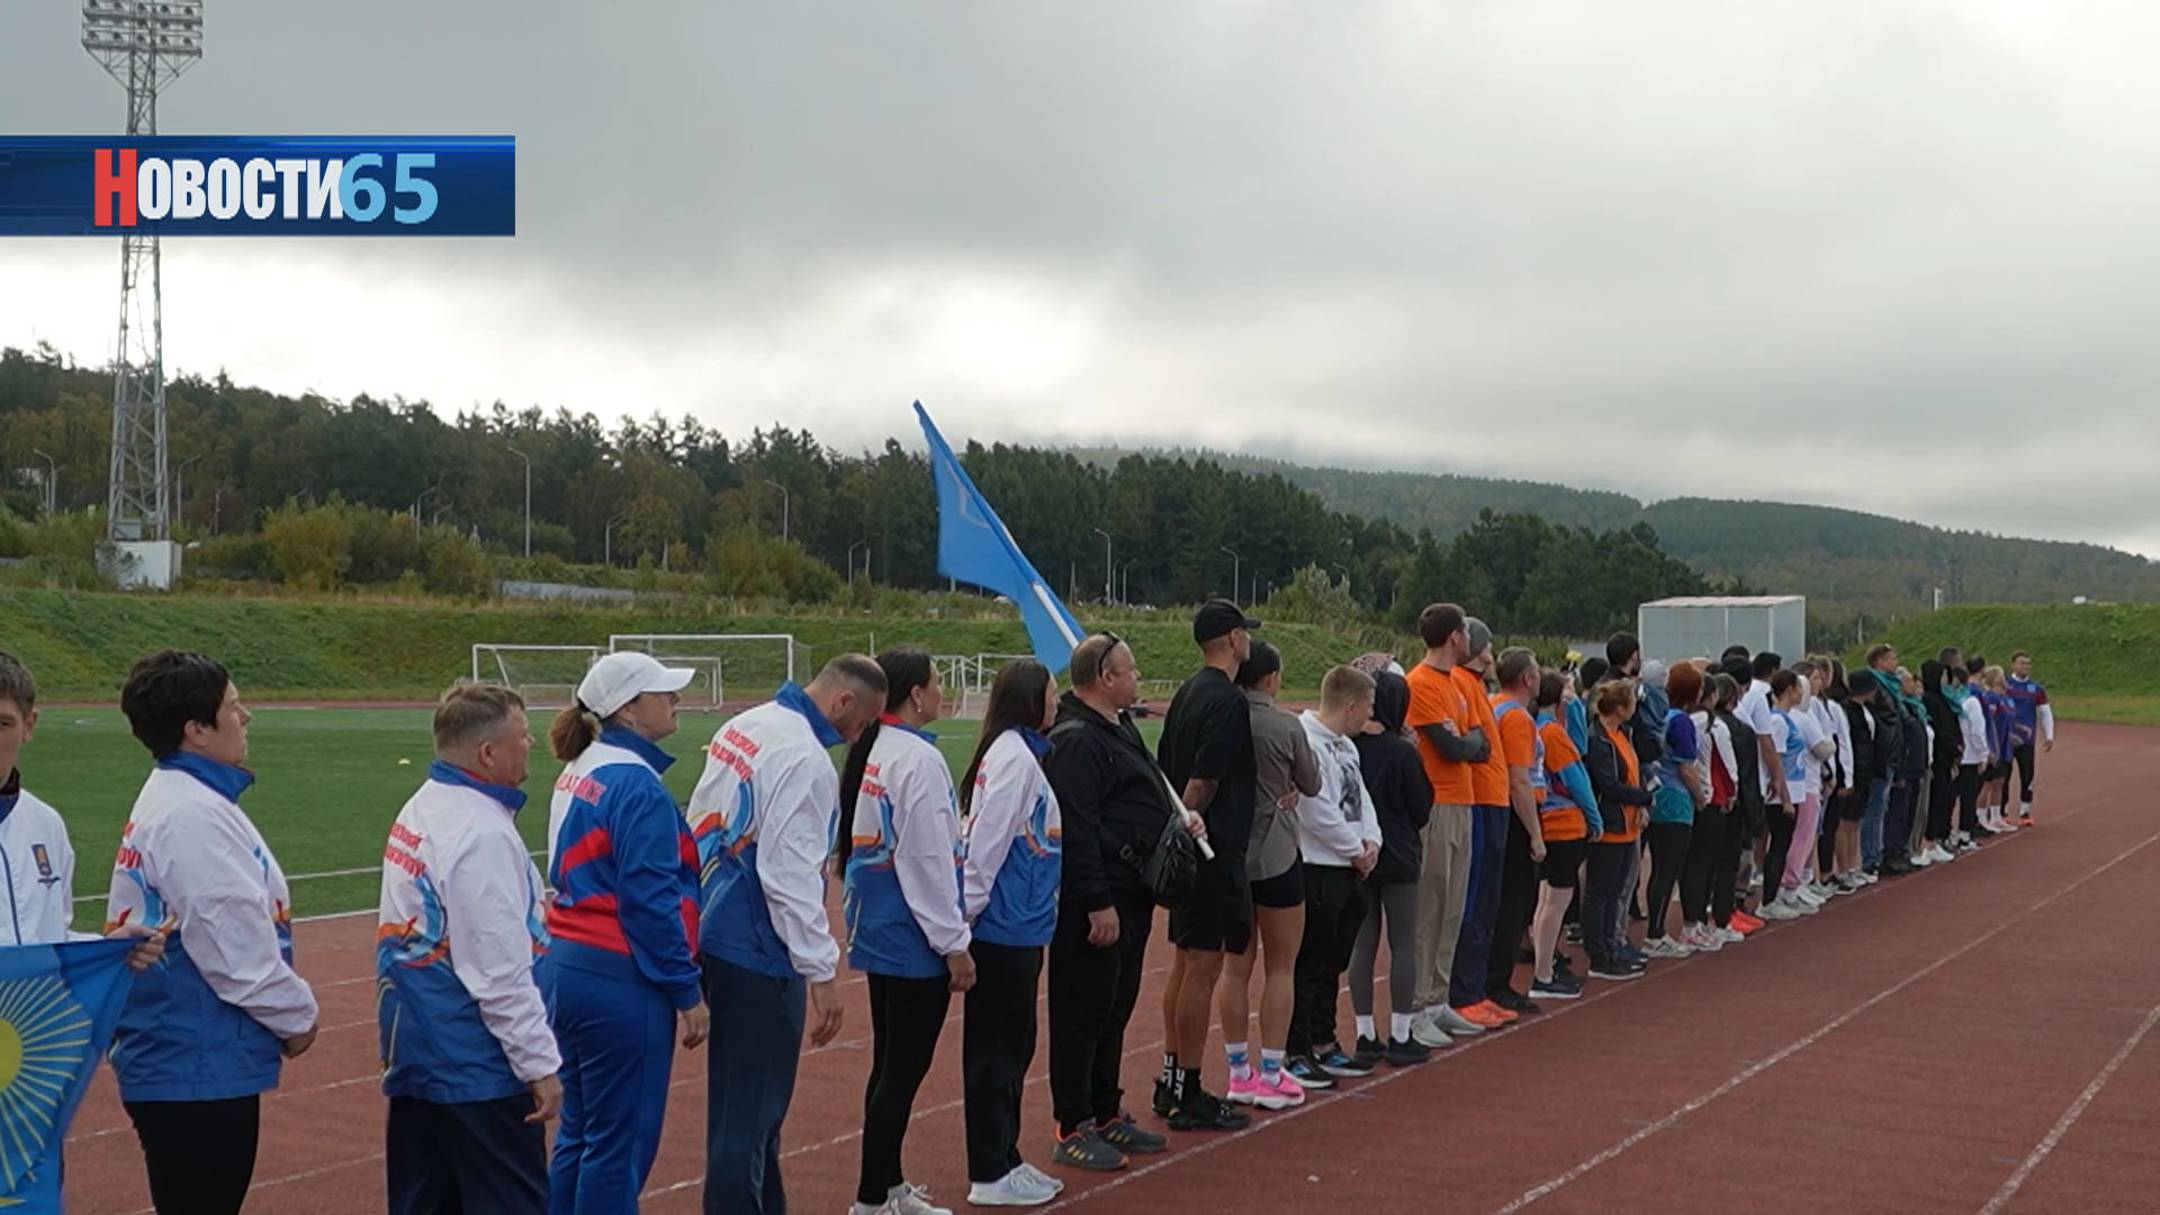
x=1218 y=618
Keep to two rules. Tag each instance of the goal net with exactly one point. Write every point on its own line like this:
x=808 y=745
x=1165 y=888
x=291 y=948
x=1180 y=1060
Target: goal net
x=726 y=668
x=547 y=676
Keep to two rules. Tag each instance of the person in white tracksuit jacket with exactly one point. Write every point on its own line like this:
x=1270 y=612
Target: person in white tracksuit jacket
x=763 y=816
x=469 y=1062
x=37 y=862
x=206 y=1033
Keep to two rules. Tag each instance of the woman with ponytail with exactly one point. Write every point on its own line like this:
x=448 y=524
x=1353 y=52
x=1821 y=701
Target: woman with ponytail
x=621 y=968
x=899 y=847
x=1009 y=894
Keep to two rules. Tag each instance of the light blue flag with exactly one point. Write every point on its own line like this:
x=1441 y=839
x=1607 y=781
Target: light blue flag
x=974 y=547
x=58 y=1005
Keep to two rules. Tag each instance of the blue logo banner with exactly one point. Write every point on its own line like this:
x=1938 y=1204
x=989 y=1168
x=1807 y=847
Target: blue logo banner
x=974 y=547
x=58 y=1005
x=193 y=185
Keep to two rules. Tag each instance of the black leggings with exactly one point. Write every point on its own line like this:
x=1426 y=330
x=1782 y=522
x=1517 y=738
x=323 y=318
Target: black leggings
x=906 y=1016
x=1968 y=791
x=1668 y=856
x=1780 y=821
x=1706 y=848
x=1725 y=892
x=200 y=1154
x=1942 y=795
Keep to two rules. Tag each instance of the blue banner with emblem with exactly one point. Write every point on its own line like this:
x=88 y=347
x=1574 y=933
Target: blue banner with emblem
x=58 y=1006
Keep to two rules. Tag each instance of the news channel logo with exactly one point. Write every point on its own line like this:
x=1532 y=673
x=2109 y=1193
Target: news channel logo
x=178 y=185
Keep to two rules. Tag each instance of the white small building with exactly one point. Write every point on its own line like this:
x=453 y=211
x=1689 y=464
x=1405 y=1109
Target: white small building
x=1690 y=626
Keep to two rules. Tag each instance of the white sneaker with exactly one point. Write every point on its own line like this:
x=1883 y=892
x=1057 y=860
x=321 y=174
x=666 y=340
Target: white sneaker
x=1801 y=903
x=1865 y=878
x=1730 y=936
x=908 y=1199
x=1702 y=938
x=1455 y=1023
x=1776 y=909
x=1943 y=855
x=1014 y=1189
x=1045 y=1178
x=1426 y=1032
x=1665 y=947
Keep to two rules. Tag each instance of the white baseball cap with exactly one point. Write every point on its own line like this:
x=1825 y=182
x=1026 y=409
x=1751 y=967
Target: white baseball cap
x=621 y=677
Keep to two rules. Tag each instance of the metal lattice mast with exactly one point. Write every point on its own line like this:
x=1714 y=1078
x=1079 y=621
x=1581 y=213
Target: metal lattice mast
x=143 y=44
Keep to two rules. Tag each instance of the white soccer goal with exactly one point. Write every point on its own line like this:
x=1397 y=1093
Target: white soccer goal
x=744 y=667
x=547 y=676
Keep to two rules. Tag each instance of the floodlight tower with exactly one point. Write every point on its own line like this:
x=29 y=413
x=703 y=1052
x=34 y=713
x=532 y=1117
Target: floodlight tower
x=144 y=44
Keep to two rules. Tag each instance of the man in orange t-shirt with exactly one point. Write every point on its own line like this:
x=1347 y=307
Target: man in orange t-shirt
x=1450 y=745
x=1480 y=908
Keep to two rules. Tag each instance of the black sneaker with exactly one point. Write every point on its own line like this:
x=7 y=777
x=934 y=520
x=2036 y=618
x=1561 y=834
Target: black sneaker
x=1369 y=1051
x=1334 y=1062
x=1165 y=1097
x=1130 y=1137
x=1572 y=934
x=1307 y=1071
x=1515 y=1002
x=1559 y=987
x=1084 y=1149
x=1562 y=964
x=1615 y=972
x=1406 y=1052
x=1204 y=1111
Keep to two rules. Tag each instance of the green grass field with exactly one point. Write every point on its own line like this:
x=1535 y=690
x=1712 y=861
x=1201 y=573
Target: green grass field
x=2096 y=659
x=329 y=783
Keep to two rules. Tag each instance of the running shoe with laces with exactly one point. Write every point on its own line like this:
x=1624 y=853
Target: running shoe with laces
x=1402 y=1052
x=1204 y=1111
x=1666 y=947
x=1015 y=1189
x=1333 y=1062
x=1730 y=935
x=1426 y=1032
x=1086 y=1149
x=1308 y=1073
x=1369 y=1051
x=1745 y=922
x=1479 y=1015
x=904 y=1199
x=1245 y=1091
x=1515 y=1002
x=1456 y=1024
x=1280 y=1091
x=1506 y=1015
x=1056 y=1184
x=1555 y=988
x=1615 y=971
x=1779 y=909
x=1130 y=1137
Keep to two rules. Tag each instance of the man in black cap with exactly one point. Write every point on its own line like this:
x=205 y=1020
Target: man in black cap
x=1207 y=752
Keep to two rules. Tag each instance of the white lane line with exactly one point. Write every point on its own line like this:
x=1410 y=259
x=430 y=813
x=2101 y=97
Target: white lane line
x=1802 y=1043
x=2070 y=1116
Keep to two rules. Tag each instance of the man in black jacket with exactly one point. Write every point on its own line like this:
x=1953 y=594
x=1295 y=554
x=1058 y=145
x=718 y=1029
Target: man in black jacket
x=1114 y=803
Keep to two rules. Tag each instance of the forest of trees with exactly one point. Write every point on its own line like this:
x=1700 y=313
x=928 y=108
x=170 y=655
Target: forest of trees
x=323 y=494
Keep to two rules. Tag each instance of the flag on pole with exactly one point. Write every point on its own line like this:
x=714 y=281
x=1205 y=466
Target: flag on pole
x=975 y=548
x=58 y=1006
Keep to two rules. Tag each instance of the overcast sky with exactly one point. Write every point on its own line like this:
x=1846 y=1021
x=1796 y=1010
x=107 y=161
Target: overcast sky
x=1893 y=255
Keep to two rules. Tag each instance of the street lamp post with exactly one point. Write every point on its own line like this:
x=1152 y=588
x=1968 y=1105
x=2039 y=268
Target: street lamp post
x=607 y=539
x=864 y=545
x=419 y=502
x=1235 y=566
x=528 y=497
x=179 y=509
x=52 y=480
x=783 y=505
x=1109 y=579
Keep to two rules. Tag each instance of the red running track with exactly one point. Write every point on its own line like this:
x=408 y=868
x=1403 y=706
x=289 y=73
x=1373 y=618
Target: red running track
x=1975 y=1038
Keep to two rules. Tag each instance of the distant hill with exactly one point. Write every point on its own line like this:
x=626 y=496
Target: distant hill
x=1857 y=569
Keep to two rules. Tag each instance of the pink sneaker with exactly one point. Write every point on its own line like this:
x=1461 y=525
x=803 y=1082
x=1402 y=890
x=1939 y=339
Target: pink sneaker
x=1247 y=1091
x=1279 y=1093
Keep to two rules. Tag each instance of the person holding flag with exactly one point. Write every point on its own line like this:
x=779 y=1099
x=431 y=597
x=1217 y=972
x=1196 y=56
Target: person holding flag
x=38 y=1099
x=206 y=1033
x=764 y=815
x=469 y=1062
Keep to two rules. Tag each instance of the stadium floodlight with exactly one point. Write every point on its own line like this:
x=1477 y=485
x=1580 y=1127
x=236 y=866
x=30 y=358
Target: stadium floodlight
x=144 y=45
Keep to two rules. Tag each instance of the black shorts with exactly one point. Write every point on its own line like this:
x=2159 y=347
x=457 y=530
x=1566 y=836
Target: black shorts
x=1851 y=805
x=1563 y=862
x=1218 y=915
x=1994 y=772
x=1283 y=891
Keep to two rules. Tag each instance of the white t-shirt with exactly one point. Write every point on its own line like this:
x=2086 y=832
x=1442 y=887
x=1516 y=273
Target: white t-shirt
x=1811 y=736
x=1973 y=720
x=1754 y=709
x=1775 y=730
